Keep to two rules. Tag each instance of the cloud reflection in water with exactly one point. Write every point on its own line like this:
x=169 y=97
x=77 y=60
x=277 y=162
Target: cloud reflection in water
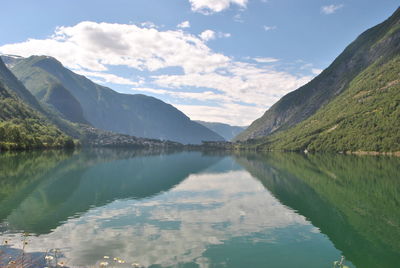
x=175 y=227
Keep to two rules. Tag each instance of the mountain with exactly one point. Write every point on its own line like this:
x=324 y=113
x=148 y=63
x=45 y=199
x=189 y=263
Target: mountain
x=78 y=99
x=8 y=79
x=352 y=105
x=228 y=132
x=10 y=60
x=26 y=124
x=21 y=127
x=61 y=99
x=23 y=121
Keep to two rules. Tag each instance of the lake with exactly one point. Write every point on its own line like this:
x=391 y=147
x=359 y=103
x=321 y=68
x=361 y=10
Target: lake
x=194 y=209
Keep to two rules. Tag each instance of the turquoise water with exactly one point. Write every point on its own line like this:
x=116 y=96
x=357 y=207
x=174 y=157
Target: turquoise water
x=192 y=209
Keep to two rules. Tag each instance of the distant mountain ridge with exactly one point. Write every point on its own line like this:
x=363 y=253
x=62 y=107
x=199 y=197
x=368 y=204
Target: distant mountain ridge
x=228 y=132
x=80 y=100
x=353 y=105
x=378 y=43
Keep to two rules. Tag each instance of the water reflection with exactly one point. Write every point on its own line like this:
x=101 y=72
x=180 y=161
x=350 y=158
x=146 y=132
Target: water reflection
x=189 y=209
x=354 y=200
x=42 y=190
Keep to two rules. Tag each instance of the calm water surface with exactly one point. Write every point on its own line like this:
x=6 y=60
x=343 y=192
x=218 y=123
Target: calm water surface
x=191 y=209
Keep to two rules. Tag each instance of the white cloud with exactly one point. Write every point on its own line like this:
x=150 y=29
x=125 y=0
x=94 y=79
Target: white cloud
x=310 y=67
x=224 y=35
x=212 y=6
x=266 y=60
x=151 y=90
x=184 y=95
x=243 y=82
x=91 y=48
x=243 y=94
x=269 y=28
x=110 y=78
x=316 y=71
x=231 y=113
x=210 y=35
x=184 y=24
x=207 y=35
x=148 y=24
x=330 y=9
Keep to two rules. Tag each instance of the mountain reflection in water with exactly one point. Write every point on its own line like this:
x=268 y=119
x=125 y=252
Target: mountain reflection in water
x=204 y=210
x=353 y=200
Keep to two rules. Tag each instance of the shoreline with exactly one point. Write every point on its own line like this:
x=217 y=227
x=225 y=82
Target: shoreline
x=374 y=153
x=204 y=147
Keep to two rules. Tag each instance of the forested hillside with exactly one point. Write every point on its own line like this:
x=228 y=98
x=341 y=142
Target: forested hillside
x=354 y=105
x=21 y=127
x=368 y=54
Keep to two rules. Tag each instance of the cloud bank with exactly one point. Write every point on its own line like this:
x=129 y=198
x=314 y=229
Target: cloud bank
x=235 y=92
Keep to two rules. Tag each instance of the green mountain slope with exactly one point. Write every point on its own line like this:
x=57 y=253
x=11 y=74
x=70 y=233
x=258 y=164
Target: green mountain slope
x=8 y=79
x=136 y=115
x=366 y=117
x=228 y=132
x=51 y=92
x=378 y=44
x=21 y=127
x=26 y=124
x=62 y=100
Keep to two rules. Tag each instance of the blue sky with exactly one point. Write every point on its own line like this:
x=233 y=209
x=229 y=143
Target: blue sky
x=216 y=60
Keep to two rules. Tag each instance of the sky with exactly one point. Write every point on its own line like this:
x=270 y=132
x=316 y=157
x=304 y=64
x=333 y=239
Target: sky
x=216 y=60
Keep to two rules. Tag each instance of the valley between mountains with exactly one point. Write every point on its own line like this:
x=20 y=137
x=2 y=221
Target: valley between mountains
x=352 y=106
